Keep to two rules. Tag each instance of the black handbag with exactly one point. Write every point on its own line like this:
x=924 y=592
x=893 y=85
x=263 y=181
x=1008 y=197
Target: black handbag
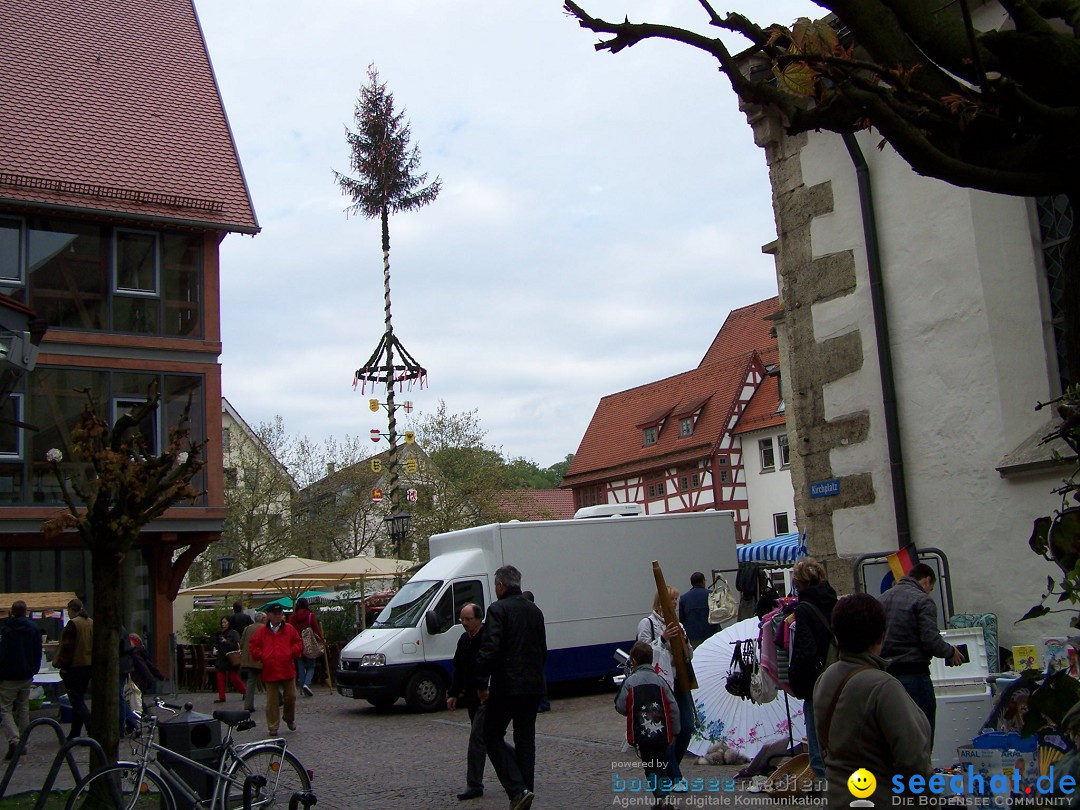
x=743 y=660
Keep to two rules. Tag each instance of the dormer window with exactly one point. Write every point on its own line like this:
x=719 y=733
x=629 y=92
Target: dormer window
x=649 y=435
x=686 y=426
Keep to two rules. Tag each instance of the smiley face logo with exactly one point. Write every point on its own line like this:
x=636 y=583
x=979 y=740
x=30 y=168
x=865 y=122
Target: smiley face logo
x=861 y=783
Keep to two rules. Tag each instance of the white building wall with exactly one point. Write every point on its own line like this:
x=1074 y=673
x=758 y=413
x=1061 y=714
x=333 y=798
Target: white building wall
x=963 y=289
x=768 y=492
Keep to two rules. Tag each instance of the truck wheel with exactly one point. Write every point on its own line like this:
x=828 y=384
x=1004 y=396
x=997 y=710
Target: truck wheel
x=425 y=691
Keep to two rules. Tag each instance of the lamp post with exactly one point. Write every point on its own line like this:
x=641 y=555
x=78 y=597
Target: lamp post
x=225 y=564
x=397 y=526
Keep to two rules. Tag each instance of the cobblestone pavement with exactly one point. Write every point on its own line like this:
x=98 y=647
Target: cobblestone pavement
x=372 y=760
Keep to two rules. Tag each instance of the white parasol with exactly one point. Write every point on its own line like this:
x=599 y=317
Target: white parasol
x=740 y=724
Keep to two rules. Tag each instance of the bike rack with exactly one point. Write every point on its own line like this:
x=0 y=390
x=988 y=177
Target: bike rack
x=63 y=754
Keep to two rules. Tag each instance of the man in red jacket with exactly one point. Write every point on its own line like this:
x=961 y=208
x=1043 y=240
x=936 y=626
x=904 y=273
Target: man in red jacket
x=277 y=645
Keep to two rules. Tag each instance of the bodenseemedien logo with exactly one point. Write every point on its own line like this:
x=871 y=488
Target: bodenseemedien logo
x=861 y=784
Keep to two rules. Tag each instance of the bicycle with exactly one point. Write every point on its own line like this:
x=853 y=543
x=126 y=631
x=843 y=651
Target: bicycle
x=261 y=774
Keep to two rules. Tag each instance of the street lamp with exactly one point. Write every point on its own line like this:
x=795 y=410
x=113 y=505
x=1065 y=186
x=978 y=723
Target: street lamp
x=225 y=564
x=397 y=526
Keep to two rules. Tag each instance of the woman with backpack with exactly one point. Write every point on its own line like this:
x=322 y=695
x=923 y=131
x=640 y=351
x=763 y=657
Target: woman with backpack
x=302 y=619
x=810 y=645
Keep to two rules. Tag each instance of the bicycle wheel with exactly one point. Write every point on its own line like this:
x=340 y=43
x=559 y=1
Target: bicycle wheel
x=284 y=775
x=118 y=787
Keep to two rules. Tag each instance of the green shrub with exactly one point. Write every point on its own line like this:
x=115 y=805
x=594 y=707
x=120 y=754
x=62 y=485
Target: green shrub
x=337 y=622
x=201 y=626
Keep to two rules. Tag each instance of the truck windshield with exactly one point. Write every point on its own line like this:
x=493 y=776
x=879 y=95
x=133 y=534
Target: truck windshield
x=408 y=604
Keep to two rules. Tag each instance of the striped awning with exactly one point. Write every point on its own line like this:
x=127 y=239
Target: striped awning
x=786 y=549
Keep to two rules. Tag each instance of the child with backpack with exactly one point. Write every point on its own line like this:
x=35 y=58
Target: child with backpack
x=652 y=717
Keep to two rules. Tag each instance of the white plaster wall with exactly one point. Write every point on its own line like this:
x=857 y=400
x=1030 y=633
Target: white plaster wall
x=961 y=279
x=767 y=493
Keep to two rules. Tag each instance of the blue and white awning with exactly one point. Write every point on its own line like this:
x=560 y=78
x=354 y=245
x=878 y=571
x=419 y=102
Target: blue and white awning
x=784 y=549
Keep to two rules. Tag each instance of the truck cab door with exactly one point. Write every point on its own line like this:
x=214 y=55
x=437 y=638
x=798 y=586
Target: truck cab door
x=444 y=615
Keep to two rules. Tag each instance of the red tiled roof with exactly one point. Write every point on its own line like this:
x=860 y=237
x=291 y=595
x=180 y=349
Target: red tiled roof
x=744 y=330
x=613 y=441
x=537 y=504
x=114 y=108
x=761 y=412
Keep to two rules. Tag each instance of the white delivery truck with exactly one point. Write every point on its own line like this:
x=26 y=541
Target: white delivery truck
x=592 y=578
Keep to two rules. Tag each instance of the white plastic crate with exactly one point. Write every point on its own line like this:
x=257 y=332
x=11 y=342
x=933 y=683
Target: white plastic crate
x=963 y=696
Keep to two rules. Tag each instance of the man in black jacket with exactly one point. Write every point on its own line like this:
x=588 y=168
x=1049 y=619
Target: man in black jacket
x=20 y=640
x=463 y=693
x=912 y=637
x=511 y=665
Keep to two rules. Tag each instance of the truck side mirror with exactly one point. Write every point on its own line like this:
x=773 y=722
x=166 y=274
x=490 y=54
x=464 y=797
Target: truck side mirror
x=432 y=623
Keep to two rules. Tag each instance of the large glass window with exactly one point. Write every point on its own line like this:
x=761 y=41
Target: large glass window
x=10 y=249
x=181 y=275
x=54 y=404
x=83 y=276
x=67 y=264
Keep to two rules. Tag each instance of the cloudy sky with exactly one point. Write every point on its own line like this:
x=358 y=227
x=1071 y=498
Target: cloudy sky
x=600 y=215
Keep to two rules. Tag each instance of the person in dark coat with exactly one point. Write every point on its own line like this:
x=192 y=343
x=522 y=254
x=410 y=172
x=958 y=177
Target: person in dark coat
x=694 y=610
x=227 y=641
x=912 y=638
x=238 y=620
x=20 y=640
x=510 y=680
x=145 y=673
x=813 y=634
x=463 y=693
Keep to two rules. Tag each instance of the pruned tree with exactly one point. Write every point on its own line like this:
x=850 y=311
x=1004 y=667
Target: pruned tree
x=113 y=485
x=995 y=110
x=387 y=181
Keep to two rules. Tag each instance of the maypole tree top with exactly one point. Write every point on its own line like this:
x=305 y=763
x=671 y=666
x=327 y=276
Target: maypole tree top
x=376 y=369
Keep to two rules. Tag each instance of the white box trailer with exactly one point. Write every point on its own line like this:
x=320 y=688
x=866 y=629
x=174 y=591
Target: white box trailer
x=592 y=578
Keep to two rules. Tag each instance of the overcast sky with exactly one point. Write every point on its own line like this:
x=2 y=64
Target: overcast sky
x=600 y=215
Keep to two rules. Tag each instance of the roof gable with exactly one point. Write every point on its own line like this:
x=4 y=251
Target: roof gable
x=115 y=109
x=746 y=329
x=614 y=438
x=763 y=409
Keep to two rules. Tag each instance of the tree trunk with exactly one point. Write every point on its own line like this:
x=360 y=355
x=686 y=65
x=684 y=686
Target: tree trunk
x=107 y=572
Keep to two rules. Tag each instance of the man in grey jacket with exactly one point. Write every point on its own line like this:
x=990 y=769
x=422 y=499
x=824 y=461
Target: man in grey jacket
x=912 y=638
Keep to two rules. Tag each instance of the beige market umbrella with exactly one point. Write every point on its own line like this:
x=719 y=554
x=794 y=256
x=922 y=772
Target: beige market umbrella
x=262 y=579
x=351 y=570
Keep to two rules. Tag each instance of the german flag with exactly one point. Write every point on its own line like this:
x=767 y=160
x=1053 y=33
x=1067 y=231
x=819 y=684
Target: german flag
x=902 y=561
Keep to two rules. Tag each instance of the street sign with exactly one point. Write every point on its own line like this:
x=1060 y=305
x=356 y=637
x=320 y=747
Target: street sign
x=376 y=465
x=411 y=466
x=376 y=495
x=410 y=437
x=825 y=489
x=410 y=495
x=375 y=435
x=373 y=404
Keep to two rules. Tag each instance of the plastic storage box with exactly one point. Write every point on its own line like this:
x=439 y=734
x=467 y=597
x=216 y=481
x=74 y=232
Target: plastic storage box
x=963 y=696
